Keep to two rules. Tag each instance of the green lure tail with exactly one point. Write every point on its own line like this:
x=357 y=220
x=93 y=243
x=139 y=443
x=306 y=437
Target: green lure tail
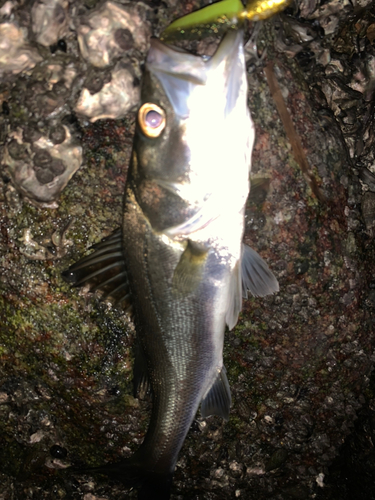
x=230 y=12
x=223 y=11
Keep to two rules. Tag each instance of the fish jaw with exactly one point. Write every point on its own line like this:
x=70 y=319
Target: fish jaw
x=209 y=133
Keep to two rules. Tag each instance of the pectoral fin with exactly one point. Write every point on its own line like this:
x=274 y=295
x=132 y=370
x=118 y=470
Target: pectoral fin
x=103 y=270
x=189 y=269
x=218 y=399
x=256 y=275
x=251 y=274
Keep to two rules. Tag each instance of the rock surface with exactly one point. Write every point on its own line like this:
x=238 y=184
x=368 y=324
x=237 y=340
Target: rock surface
x=298 y=363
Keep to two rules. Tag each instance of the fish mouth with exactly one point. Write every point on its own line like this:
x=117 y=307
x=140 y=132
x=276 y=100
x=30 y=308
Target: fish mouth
x=180 y=72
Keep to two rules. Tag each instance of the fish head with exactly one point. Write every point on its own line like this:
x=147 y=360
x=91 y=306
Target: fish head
x=194 y=134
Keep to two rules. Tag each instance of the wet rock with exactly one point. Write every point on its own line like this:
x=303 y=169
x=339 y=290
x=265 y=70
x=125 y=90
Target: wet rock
x=124 y=38
x=276 y=460
x=49 y=103
x=60 y=45
x=95 y=80
x=6 y=9
x=49 y=20
x=31 y=134
x=42 y=158
x=57 y=167
x=16 y=54
x=57 y=451
x=5 y=108
x=292 y=389
x=115 y=99
x=57 y=134
x=42 y=175
x=17 y=151
x=368 y=210
x=111 y=35
x=368 y=178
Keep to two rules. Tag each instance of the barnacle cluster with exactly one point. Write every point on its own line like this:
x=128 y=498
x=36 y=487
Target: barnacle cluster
x=341 y=73
x=59 y=63
x=41 y=165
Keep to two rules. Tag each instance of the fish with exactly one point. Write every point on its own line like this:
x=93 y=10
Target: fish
x=179 y=263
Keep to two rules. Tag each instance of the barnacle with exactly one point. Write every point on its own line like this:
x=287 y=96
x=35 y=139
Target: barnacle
x=40 y=165
x=101 y=80
x=115 y=98
x=16 y=54
x=49 y=20
x=111 y=30
x=51 y=247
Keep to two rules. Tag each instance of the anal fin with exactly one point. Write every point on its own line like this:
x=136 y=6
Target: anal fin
x=103 y=270
x=218 y=399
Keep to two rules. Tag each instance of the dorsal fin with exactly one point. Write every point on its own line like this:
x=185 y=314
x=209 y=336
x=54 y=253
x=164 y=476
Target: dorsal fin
x=103 y=270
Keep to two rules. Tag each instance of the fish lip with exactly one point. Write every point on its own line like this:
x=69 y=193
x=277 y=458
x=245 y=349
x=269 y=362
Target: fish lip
x=180 y=72
x=176 y=61
x=229 y=46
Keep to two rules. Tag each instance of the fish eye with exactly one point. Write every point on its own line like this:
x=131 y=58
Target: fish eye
x=151 y=119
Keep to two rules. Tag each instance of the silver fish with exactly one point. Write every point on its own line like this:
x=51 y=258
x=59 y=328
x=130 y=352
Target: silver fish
x=179 y=258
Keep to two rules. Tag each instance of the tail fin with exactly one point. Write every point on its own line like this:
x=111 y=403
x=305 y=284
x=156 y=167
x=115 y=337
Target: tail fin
x=150 y=485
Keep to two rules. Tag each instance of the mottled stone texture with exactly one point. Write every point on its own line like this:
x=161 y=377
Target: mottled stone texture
x=298 y=362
